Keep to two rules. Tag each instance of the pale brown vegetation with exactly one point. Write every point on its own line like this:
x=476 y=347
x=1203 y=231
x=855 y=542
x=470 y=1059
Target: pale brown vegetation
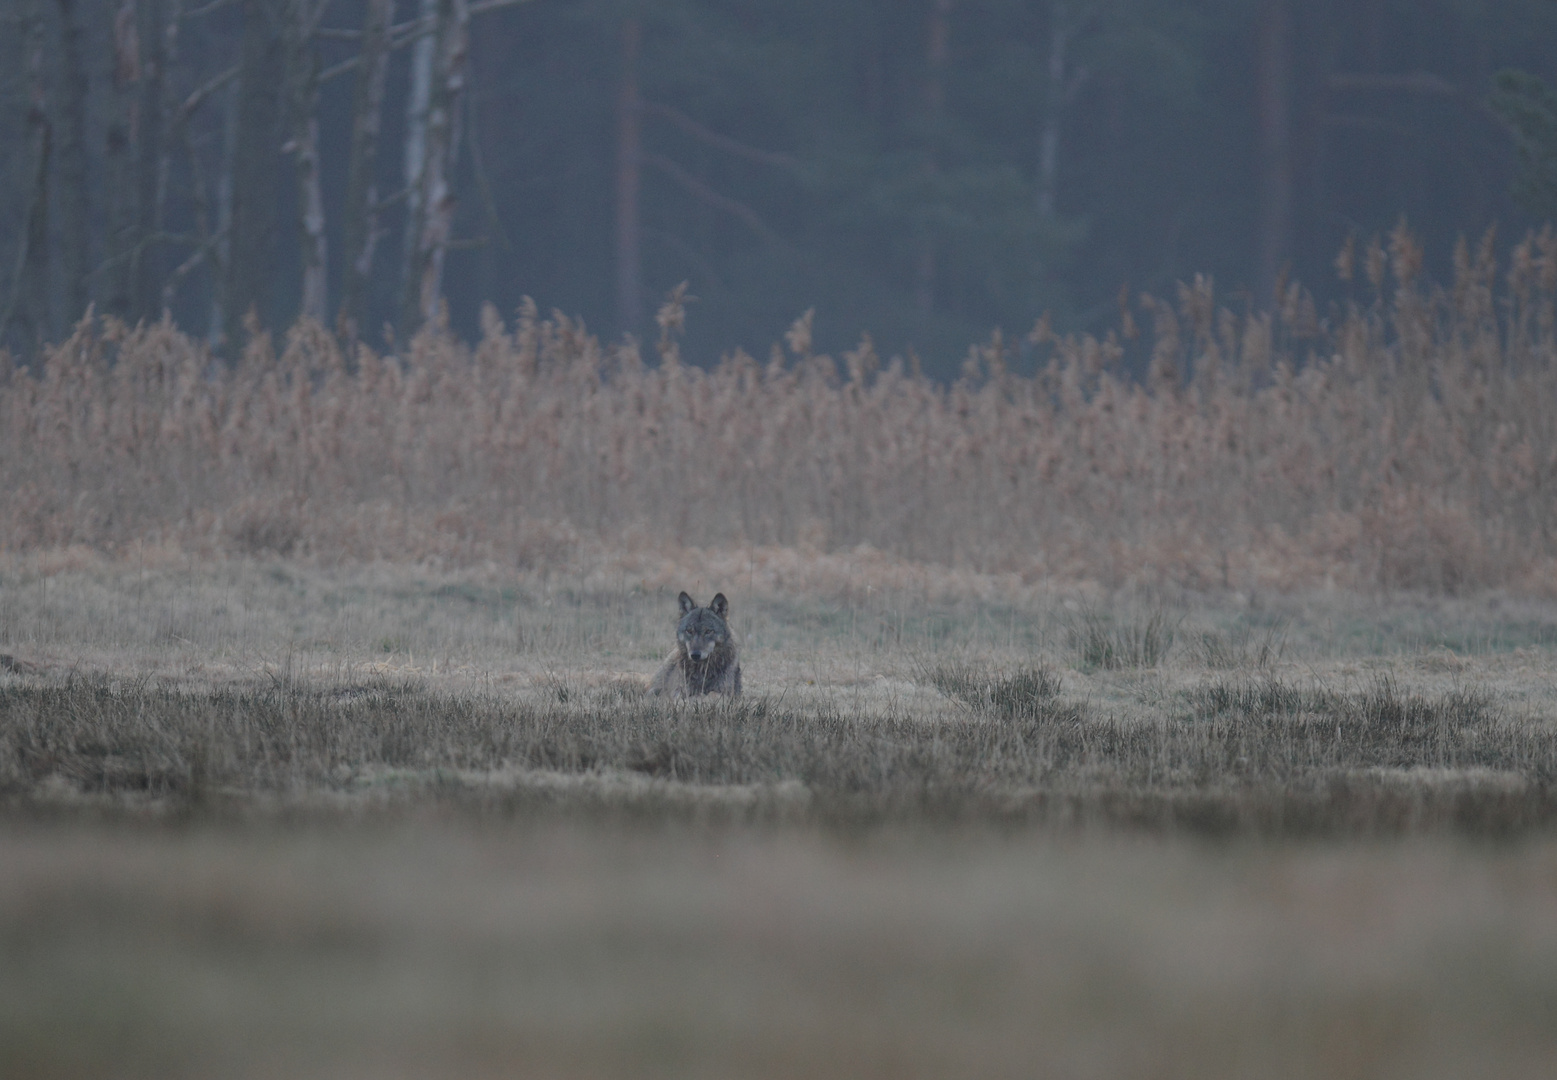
x=423 y=819
x=270 y=818
x=1409 y=442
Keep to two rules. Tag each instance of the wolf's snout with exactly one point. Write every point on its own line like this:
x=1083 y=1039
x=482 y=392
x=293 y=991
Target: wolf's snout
x=696 y=654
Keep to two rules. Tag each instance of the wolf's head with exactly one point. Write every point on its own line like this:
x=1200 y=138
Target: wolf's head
x=702 y=629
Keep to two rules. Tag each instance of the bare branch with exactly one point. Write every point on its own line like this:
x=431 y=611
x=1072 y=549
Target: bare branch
x=704 y=193
x=484 y=6
x=142 y=244
x=1420 y=82
x=312 y=19
x=207 y=9
x=348 y=65
x=483 y=181
x=198 y=256
x=723 y=142
x=405 y=34
x=389 y=200
x=199 y=94
x=408 y=31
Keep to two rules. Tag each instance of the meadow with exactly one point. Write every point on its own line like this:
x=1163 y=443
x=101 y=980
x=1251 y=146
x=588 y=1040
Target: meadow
x=263 y=818
x=1199 y=724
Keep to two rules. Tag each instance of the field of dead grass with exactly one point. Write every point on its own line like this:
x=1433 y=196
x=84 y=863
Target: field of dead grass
x=1405 y=441
x=263 y=818
x=1195 y=725
x=216 y=685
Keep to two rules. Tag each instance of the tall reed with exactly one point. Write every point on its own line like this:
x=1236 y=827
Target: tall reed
x=1408 y=440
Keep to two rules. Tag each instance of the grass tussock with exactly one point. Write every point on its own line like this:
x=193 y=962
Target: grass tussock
x=1029 y=693
x=1235 y=754
x=1404 y=441
x=1241 y=647
x=1107 y=643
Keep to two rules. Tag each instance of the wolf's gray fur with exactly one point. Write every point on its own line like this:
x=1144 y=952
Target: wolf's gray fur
x=707 y=659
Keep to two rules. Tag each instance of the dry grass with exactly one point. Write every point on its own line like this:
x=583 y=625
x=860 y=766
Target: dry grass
x=439 y=951
x=271 y=819
x=1263 y=757
x=1407 y=443
x=223 y=688
x=324 y=749
x=1104 y=642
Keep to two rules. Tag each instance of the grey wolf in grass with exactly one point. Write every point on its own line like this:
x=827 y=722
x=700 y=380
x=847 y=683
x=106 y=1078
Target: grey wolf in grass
x=707 y=659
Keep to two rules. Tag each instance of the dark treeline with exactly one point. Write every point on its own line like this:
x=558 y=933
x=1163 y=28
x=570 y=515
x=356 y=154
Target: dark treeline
x=921 y=169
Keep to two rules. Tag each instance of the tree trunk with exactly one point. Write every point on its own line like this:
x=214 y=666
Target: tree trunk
x=443 y=147
x=174 y=128
x=418 y=104
x=937 y=48
x=28 y=306
x=146 y=263
x=118 y=288
x=302 y=80
x=253 y=168
x=222 y=250
x=1056 y=91
x=1274 y=105
x=74 y=197
x=360 y=215
x=629 y=167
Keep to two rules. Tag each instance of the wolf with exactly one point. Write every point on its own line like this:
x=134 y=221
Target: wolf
x=707 y=659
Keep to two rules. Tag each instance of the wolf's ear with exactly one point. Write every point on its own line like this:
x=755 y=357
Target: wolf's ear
x=687 y=603
x=720 y=605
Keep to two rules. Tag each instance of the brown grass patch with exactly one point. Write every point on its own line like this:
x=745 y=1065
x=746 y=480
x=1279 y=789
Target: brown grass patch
x=1405 y=444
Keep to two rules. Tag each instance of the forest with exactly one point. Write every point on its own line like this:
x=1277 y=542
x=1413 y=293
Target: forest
x=920 y=170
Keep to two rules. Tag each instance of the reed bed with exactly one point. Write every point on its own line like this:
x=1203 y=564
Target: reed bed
x=1407 y=440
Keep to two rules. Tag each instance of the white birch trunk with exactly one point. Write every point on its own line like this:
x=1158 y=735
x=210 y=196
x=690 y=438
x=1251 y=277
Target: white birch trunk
x=443 y=137
x=222 y=250
x=418 y=103
x=1053 y=110
x=303 y=94
x=360 y=215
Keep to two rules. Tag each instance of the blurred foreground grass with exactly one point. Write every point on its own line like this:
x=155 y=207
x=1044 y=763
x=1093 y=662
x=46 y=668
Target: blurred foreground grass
x=431 y=949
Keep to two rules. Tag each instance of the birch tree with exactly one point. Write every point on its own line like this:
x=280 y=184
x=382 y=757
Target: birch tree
x=302 y=79
x=119 y=170
x=428 y=243
x=418 y=106
x=1063 y=79
x=28 y=304
x=71 y=135
x=150 y=159
x=359 y=216
x=252 y=166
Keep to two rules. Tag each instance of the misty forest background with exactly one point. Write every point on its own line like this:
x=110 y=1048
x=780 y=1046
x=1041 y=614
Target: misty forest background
x=923 y=170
